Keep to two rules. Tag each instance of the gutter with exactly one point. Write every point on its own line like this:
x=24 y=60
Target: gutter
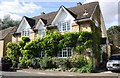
x=83 y=19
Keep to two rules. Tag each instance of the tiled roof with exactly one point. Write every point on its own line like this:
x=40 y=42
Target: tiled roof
x=30 y=21
x=46 y=17
x=5 y=32
x=76 y=12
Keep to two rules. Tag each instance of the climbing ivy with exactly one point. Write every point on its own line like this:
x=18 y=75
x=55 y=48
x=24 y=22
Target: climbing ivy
x=96 y=33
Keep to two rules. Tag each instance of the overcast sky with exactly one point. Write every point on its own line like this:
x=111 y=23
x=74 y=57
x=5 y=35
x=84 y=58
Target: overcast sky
x=30 y=8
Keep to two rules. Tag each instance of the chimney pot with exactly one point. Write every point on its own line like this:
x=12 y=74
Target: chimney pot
x=42 y=13
x=79 y=3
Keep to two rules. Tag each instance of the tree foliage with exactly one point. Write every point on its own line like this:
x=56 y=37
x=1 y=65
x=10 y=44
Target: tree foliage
x=111 y=31
x=13 y=51
x=8 y=22
x=52 y=42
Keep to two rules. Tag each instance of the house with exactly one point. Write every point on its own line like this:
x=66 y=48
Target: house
x=75 y=19
x=5 y=37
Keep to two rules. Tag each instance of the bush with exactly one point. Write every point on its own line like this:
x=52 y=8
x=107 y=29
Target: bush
x=35 y=62
x=14 y=64
x=84 y=69
x=21 y=65
x=88 y=68
x=46 y=62
x=77 y=61
x=24 y=61
x=25 y=39
x=62 y=63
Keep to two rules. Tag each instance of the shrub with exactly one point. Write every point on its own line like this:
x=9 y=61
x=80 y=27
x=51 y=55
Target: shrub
x=21 y=65
x=62 y=63
x=35 y=62
x=84 y=69
x=46 y=62
x=24 y=61
x=25 y=39
x=73 y=69
x=14 y=64
x=88 y=68
x=77 y=61
x=13 y=52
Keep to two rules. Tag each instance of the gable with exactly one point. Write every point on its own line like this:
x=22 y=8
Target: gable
x=62 y=15
x=76 y=11
x=23 y=25
x=40 y=24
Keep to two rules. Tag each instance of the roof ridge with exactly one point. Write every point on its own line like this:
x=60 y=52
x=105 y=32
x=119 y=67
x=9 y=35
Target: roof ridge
x=67 y=8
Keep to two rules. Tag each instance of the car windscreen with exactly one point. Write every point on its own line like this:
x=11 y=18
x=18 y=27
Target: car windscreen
x=114 y=58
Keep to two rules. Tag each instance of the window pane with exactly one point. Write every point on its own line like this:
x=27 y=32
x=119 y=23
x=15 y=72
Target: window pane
x=65 y=52
x=26 y=33
x=68 y=25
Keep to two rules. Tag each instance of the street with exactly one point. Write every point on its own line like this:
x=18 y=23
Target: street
x=29 y=73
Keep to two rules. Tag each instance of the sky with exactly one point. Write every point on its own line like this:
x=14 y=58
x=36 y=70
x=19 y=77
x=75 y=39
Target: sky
x=19 y=8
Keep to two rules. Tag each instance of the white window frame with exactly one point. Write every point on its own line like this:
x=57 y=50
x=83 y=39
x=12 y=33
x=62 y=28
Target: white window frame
x=64 y=51
x=26 y=33
x=64 y=25
x=41 y=32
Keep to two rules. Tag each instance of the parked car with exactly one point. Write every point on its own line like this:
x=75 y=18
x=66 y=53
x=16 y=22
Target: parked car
x=113 y=63
x=5 y=63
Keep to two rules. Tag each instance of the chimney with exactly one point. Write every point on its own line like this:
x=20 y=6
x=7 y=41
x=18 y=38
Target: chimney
x=79 y=3
x=42 y=13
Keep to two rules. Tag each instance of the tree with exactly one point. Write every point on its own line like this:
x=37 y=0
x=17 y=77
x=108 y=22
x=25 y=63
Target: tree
x=114 y=38
x=8 y=22
x=13 y=52
x=112 y=31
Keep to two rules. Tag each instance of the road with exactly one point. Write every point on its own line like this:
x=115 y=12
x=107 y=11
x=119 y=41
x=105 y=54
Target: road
x=56 y=74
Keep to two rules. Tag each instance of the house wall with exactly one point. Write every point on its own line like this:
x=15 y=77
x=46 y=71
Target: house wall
x=23 y=26
x=7 y=39
x=85 y=26
x=16 y=38
x=1 y=48
x=62 y=17
x=75 y=27
x=32 y=35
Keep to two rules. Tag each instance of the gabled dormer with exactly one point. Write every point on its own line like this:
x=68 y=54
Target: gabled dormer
x=63 y=19
x=25 y=26
x=40 y=26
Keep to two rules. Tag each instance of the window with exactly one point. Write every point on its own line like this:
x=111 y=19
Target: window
x=26 y=33
x=64 y=26
x=65 y=52
x=41 y=32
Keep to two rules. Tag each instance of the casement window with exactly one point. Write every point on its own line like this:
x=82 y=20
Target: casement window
x=64 y=26
x=65 y=52
x=41 y=32
x=26 y=33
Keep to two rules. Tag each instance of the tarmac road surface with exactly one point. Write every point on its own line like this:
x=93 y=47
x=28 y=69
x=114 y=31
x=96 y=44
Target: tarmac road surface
x=29 y=73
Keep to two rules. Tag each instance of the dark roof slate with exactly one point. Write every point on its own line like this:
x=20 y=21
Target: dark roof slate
x=30 y=21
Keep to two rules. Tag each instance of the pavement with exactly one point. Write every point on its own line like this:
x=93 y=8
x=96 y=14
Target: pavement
x=62 y=73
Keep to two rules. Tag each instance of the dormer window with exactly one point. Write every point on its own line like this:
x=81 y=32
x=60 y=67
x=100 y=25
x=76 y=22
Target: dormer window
x=40 y=32
x=64 y=26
